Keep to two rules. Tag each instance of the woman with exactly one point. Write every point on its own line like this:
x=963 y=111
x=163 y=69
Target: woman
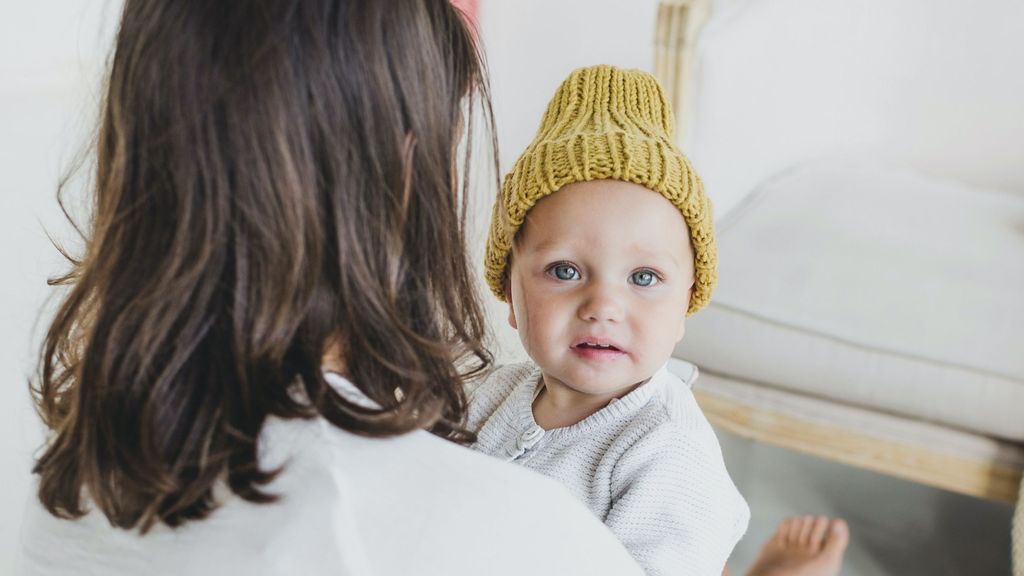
x=274 y=307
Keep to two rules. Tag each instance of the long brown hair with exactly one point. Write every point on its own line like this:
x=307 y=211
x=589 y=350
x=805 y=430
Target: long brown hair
x=273 y=178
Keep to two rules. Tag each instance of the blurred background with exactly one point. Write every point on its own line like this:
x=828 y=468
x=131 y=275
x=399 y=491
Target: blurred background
x=52 y=57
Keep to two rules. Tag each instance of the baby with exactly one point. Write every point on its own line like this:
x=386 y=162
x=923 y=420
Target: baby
x=602 y=243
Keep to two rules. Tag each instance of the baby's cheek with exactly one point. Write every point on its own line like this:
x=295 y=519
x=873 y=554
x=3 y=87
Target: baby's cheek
x=532 y=332
x=681 y=330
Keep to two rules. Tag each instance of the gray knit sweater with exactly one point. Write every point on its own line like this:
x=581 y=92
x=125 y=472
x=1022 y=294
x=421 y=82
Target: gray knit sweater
x=648 y=465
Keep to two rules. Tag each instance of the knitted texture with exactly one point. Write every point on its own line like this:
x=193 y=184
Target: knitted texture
x=605 y=123
x=648 y=465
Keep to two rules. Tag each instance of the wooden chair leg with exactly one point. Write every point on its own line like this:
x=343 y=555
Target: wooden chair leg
x=1018 y=533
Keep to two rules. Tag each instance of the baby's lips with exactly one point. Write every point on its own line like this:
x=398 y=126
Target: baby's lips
x=597 y=343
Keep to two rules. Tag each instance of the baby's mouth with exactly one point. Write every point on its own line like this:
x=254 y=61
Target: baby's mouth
x=594 y=346
x=597 y=348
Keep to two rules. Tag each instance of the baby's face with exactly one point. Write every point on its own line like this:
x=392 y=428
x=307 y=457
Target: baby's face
x=600 y=282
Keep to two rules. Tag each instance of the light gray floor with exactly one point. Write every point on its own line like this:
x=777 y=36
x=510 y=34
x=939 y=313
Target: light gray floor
x=897 y=527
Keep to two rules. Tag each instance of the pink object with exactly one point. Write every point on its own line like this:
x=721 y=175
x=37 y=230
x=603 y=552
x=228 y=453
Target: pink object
x=469 y=8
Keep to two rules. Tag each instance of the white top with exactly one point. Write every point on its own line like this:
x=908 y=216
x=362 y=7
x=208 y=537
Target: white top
x=648 y=464
x=415 y=504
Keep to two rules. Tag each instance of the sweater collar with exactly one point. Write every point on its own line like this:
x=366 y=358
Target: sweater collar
x=618 y=410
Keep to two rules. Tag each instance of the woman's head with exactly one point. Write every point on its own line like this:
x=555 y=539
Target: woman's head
x=274 y=178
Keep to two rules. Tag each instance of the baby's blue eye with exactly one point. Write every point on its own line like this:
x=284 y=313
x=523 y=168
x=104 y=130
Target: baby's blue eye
x=644 y=278
x=565 y=272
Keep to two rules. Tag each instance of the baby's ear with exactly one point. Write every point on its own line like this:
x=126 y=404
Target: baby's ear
x=508 y=298
x=686 y=311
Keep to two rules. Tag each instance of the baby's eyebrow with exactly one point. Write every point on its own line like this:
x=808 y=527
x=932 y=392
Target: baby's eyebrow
x=655 y=258
x=658 y=257
x=552 y=246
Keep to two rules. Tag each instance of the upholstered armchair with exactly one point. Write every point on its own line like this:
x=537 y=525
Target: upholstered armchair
x=866 y=160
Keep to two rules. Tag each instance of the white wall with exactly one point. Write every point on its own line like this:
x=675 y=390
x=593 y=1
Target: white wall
x=51 y=60
x=926 y=85
x=50 y=57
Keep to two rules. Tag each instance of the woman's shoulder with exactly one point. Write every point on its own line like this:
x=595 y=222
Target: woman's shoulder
x=420 y=492
x=347 y=504
x=409 y=465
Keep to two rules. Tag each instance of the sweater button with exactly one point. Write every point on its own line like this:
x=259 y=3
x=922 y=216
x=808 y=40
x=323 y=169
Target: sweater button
x=530 y=438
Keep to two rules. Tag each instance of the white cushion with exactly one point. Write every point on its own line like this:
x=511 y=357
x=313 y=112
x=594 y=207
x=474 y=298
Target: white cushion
x=875 y=287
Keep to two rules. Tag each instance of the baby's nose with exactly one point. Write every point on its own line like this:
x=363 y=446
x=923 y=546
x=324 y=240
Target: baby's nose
x=602 y=304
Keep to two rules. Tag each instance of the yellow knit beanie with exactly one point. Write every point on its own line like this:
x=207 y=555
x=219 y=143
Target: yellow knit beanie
x=604 y=123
